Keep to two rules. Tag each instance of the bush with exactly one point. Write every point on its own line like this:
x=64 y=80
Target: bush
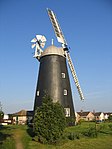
x=49 y=121
x=110 y=126
x=110 y=118
x=100 y=128
x=91 y=132
x=73 y=136
x=70 y=121
x=80 y=121
x=1 y=115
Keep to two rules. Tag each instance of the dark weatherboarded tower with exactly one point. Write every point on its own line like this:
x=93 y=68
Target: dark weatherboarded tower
x=53 y=78
x=53 y=74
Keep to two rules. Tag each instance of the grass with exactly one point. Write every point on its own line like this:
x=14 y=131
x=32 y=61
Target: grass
x=6 y=137
x=102 y=141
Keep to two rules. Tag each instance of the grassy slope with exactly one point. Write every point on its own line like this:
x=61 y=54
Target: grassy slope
x=77 y=144
x=103 y=141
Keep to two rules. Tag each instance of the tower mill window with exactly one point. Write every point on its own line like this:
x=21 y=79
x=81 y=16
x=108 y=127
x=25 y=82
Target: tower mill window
x=65 y=92
x=67 y=112
x=63 y=75
x=37 y=93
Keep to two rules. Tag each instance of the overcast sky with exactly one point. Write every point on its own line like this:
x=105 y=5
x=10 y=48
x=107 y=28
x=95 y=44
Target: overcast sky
x=87 y=26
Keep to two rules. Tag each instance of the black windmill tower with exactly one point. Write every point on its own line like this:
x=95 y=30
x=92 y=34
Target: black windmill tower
x=53 y=75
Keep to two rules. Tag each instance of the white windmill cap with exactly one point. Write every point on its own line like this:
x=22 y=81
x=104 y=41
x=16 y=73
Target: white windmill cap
x=53 y=50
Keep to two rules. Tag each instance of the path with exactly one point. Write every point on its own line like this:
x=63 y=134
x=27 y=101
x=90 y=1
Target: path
x=17 y=137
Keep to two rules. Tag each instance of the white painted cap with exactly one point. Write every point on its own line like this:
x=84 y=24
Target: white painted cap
x=53 y=50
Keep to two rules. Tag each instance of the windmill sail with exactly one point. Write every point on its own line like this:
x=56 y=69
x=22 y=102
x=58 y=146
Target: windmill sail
x=38 y=43
x=74 y=75
x=61 y=39
x=56 y=26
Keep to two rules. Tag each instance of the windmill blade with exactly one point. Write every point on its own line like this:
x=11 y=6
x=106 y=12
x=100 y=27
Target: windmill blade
x=34 y=40
x=56 y=26
x=42 y=44
x=33 y=45
x=38 y=37
x=74 y=76
x=41 y=40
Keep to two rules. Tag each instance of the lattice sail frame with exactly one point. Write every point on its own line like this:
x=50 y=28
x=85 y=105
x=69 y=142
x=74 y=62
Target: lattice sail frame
x=56 y=26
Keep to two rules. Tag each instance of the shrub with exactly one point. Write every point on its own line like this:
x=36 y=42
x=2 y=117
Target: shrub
x=100 y=128
x=49 y=121
x=70 y=121
x=91 y=132
x=80 y=121
x=1 y=115
x=73 y=136
x=110 y=126
x=110 y=117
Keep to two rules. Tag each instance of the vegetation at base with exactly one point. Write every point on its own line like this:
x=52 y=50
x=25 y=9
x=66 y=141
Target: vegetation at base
x=110 y=118
x=6 y=137
x=73 y=136
x=70 y=121
x=91 y=132
x=1 y=115
x=103 y=140
x=49 y=121
x=1 y=112
x=110 y=126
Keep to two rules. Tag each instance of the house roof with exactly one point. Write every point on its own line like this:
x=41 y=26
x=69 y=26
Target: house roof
x=20 y=113
x=108 y=113
x=97 y=113
x=83 y=113
x=24 y=113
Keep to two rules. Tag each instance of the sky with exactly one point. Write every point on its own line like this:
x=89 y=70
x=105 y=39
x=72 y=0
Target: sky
x=87 y=27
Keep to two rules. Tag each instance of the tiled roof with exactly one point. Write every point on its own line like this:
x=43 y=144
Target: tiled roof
x=97 y=113
x=108 y=113
x=83 y=113
x=24 y=113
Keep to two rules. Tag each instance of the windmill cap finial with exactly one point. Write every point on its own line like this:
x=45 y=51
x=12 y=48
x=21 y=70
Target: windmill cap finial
x=52 y=43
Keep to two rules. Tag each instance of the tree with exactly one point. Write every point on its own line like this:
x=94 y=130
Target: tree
x=1 y=112
x=49 y=121
x=110 y=117
x=1 y=115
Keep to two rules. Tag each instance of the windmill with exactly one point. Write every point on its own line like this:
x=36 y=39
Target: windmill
x=53 y=76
